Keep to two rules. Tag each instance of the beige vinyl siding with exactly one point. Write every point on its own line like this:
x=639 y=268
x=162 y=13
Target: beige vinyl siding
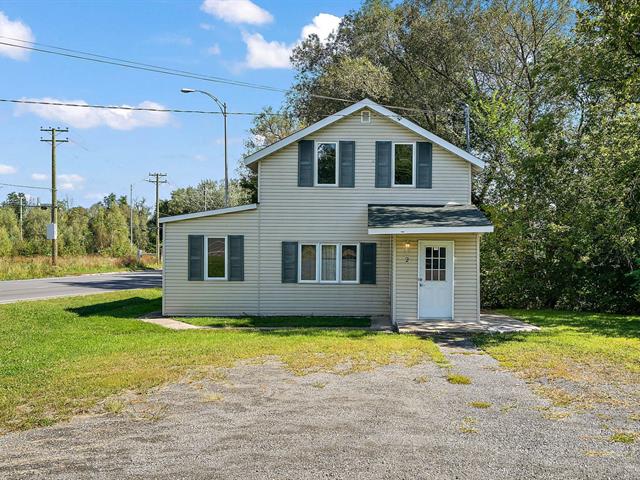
x=465 y=278
x=318 y=214
x=332 y=214
x=210 y=297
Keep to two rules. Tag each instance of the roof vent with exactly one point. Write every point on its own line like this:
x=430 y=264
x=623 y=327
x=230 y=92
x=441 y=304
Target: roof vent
x=365 y=116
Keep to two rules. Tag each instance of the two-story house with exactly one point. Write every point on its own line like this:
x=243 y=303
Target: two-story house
x=363 y=213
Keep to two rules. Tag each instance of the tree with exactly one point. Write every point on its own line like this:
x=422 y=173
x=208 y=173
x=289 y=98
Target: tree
x=268 y=127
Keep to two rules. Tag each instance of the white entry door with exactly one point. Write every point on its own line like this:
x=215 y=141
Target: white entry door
x=435 y=279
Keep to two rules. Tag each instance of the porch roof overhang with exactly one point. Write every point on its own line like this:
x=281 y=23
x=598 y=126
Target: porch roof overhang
x=412 y=219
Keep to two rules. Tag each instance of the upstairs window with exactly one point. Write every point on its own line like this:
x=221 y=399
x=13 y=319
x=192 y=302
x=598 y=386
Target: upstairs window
x=403 y=164
x=326 y=162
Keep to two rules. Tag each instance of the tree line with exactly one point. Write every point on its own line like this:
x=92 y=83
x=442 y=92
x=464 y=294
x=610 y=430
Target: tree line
x=553 y=88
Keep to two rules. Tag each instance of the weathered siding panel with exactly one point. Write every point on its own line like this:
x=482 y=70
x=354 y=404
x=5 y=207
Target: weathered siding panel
x=210 y=297
x=465 y=279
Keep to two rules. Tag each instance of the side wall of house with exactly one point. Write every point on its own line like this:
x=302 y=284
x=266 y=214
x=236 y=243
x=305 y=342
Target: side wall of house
x=210 y=297
x=465 y=280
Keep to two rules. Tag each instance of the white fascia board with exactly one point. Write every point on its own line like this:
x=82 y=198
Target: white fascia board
x=417 y=230
x=366 y=103
x=208 y=213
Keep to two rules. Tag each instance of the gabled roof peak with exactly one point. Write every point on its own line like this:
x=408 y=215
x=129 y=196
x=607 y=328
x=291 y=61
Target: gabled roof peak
x=364 y=103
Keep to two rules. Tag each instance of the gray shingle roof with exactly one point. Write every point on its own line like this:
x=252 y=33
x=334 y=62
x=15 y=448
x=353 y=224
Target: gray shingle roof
x=411 y=216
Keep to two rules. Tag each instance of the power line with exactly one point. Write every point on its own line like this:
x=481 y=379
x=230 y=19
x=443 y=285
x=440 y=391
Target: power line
x=24 y=186
x=82 y=55
x=112 y=107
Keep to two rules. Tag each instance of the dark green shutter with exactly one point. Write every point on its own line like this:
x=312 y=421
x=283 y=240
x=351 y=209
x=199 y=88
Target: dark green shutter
x=195 y=254
x=236 y=258
x=424 y=165
x=347 y=164
x=305 y=163
x=368 y=263
x=289 y=262
x=383 y=164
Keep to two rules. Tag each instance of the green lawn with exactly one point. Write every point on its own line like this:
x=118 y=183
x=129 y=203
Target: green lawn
x=587 y=349
x=293 y=322
x=59 y=357
x=39 y=266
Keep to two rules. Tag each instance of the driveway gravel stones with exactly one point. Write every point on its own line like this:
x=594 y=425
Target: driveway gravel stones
x=392 y=422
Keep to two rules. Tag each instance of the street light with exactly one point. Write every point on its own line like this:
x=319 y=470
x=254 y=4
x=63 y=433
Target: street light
x=223 y=109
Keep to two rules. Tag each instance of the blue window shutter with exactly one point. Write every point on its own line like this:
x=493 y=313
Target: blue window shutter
x=289 y=262
x=195 y=254
x=305 y=163
x=236 y=258
x=347 y=164
x=383 y=164
x=368 y=263
x=424 y=165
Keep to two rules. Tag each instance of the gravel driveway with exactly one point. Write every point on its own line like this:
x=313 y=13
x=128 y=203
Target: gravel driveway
x=393 y=422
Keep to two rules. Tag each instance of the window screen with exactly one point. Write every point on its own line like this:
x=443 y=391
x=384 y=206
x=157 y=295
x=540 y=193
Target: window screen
x=329 y=260
x=308 y=262
x=326 y=164
x=349 y=263
x=403 y=161
x=216 y=258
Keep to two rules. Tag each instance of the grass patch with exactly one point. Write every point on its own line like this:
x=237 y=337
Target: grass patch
x=458 y=379
x=469 y=425
x=60 y=357
x=623 y=437
x=21 y=268
x=421 y=379
x=286 y=322
x=480 y=404
x=586 y=349
x=318 y=384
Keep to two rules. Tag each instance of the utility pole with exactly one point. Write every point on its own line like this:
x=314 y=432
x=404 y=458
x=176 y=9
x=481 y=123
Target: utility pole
x=52 y=232
x=131 y=214
x=158 y=178
x=21 y=198
x=466 y=126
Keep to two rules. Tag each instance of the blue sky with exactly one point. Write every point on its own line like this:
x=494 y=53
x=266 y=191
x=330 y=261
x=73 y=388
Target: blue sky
x=237 y=39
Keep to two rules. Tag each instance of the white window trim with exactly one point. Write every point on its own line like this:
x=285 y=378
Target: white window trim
x=300 y=245
x=316 y=143
x=338 y=279
x=206 y=258
x=413 y=165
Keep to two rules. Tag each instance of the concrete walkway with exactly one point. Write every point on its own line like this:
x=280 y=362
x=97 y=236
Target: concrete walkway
x=489 y=323
x=156 y=318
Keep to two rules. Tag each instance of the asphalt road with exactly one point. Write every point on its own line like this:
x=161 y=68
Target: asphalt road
x=40 y=288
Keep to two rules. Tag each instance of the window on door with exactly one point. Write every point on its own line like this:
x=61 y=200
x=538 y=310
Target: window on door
x=435 y=269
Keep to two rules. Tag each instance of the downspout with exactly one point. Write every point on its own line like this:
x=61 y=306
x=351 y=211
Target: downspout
x=394 y=322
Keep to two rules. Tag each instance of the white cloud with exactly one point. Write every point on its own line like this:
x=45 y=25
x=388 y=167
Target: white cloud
x=70 y=181
x=39 y=176
x=322 y=25
x=79 y=117
x=7 y=169
x=237 y=11
x=265 y=54
x=214 y=49
x=207 y=26
x=14 y=30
